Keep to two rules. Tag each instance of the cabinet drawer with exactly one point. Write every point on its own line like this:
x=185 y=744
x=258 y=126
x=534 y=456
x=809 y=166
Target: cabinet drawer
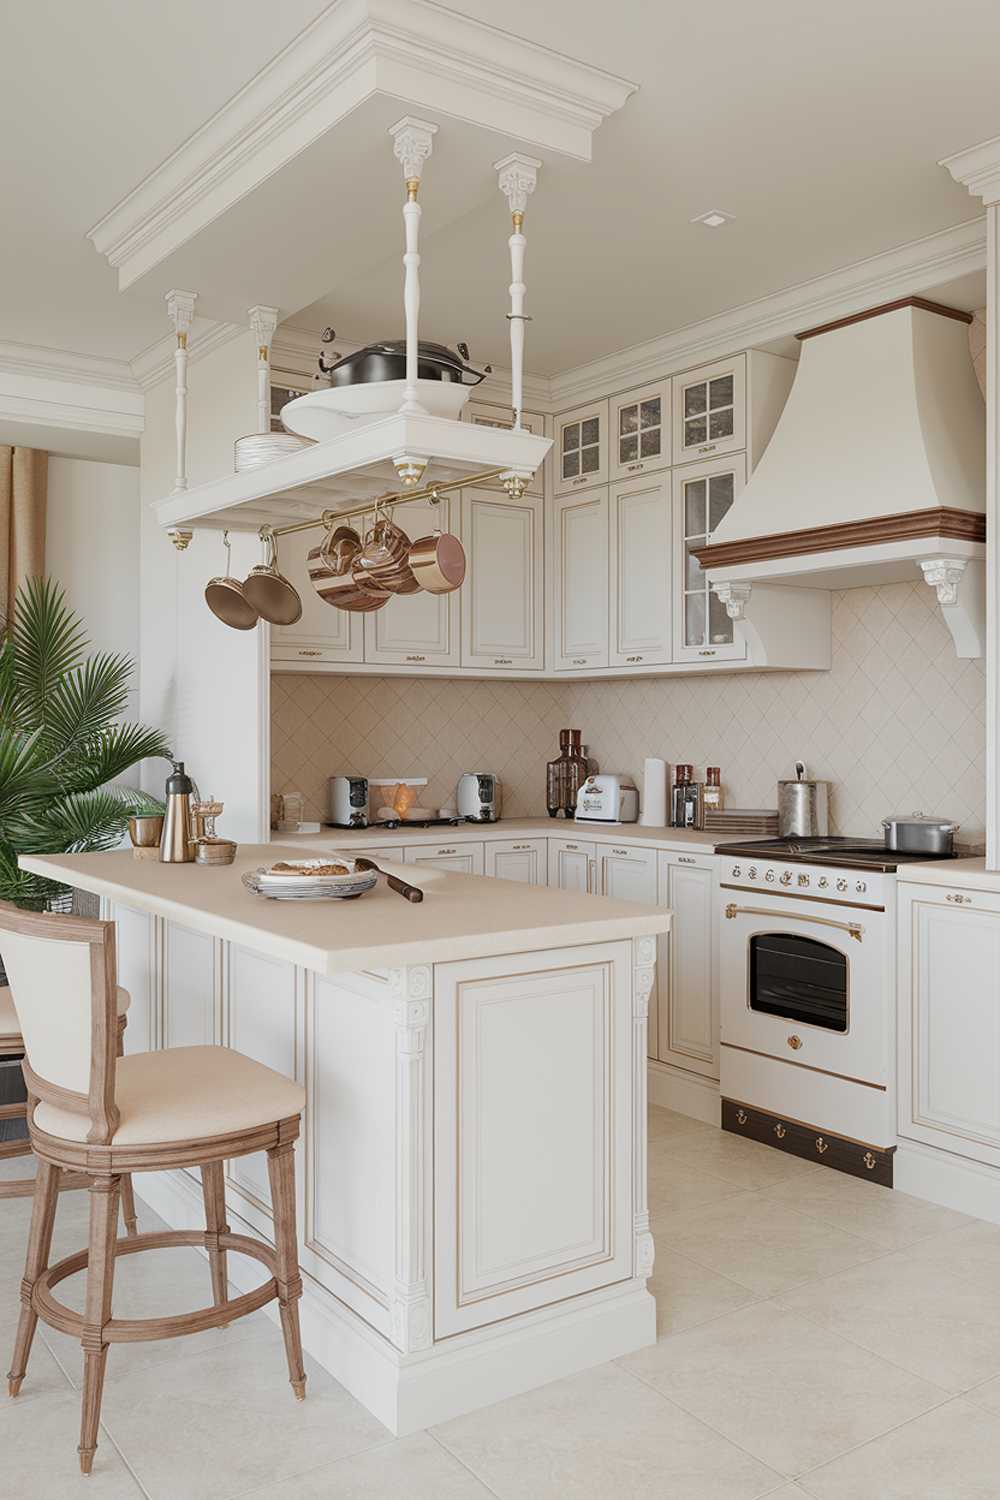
x=459 y=859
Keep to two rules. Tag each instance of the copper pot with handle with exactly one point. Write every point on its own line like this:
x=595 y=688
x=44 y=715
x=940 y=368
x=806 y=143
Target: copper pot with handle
x=384 y=558
x=330 y=567
x=269 y=592
x=437 y=562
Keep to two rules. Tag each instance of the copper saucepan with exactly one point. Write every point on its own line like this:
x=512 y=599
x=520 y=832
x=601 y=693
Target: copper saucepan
x=383 y=560
x=330 y=571
x=437 y=562
x=270 y=593
x=225 y=597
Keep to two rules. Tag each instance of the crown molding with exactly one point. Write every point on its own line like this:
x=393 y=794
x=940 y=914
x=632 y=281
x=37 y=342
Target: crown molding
x=60 y=389
x=156 y=361
x=413 y=50
x=906 y=269
x=978 y=169
x=65 y=364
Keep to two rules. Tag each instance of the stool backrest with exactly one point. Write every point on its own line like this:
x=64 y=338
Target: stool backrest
x=63 y=976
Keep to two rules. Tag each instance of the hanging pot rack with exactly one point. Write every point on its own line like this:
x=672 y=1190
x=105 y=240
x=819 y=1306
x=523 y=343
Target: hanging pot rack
x=432 y=492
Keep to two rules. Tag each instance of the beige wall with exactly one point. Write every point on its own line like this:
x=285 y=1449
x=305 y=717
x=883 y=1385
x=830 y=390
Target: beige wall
x=896 y=725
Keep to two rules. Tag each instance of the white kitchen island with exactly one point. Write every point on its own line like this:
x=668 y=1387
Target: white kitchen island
x=472 y=1173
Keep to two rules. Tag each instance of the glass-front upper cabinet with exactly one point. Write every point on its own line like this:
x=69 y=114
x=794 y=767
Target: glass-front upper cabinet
x=640 y=431
x=710 y=410
x=581 y=448
x=703 y=494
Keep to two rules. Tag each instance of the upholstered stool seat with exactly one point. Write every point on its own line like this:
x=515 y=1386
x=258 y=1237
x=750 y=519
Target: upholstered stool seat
x=183 y=1094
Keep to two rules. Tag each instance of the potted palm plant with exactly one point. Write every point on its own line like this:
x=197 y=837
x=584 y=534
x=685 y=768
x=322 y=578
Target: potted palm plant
x=64 y=744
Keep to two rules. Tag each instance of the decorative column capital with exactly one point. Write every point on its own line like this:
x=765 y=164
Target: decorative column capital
x=263 y=322
x=517 y=175
x=944 y=574
x=978 y=169
x=734 y=596
x=412 y=142
x=180 y=310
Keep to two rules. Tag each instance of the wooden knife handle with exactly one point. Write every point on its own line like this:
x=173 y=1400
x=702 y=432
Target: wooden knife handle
x=411 y=892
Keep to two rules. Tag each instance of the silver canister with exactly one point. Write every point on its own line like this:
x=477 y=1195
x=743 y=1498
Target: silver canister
x=803 y=806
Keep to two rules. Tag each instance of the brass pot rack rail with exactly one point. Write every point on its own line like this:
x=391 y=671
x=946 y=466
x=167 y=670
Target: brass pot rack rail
x=398 y=497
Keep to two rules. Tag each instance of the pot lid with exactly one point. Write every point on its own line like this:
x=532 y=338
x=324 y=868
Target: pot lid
x=920 y=820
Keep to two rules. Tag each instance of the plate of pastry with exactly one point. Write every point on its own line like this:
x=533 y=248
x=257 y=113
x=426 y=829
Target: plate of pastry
x=332 y=878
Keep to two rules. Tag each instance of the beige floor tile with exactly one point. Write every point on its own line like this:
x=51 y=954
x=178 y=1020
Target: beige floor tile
x=761 y=1244
x=213 y=1426
x=673 y=1186
x=688 y=1294
x=413 y=1468
x=600 y=1435
x=667 y=1124
x=933 y=1309
x=986 y=1395
x=788 y=1392
x=880 y=1214
x=38 y=1452
x=951 y=1453
x=44 y=1377
x=747 y=1164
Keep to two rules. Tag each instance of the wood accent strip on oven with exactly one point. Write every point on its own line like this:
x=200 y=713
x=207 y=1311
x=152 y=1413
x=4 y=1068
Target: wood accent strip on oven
x=907 y=525
x=885 y=307
x=810 y=1142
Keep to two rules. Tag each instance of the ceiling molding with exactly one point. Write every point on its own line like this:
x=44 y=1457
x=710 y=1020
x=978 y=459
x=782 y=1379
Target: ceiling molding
x=156 y=361
x=413 y=50
x=59 y=389
x=906 y=269
x=65 y=364
x=978 y=169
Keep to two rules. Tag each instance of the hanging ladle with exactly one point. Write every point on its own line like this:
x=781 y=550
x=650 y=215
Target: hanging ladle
x=226 y=599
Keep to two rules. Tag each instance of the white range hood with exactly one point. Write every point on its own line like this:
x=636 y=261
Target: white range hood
x=877 y=469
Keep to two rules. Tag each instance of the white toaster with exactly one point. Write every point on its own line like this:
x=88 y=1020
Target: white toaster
x=607 y=799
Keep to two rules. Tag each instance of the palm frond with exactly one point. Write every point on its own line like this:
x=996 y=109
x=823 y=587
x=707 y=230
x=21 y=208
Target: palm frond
x=49 y=641
x=25 y=775
x=85 y=822
x=108 y=756
x=84 y=700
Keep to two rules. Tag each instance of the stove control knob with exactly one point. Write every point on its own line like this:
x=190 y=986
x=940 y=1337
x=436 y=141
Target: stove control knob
x=841 y=885
x=769 y=875
x=823 y=882
x=736 y=872
x=786 y=877
x=803 y=880
x=752 y=873
x=861 y=886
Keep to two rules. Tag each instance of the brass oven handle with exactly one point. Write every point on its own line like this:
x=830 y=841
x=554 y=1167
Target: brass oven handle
x=855 y=929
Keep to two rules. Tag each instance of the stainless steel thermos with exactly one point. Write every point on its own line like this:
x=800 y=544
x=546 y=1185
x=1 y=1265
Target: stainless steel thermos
x=177 y=842
x=803 y=806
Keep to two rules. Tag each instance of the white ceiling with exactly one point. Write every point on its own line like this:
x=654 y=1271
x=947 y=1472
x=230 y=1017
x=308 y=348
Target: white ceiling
x=821 y=136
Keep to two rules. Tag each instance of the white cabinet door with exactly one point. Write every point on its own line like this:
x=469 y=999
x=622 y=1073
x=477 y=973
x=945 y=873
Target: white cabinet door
x=626 y=872
x=580 y=449
x=517 y=859
x=703 y=494
x=502 y=599
x=530 y=1048
x=324 y=634
x=484 y=414
x=580 y=580
x=640 y=431
x=261 y=1023
x=640 y=571
x=571 y=865
x=418 y=629
x=137 y=938
x=192 y=987
x=710 y=410
x=949 y=1020
x=687 y=979
x=460 y=859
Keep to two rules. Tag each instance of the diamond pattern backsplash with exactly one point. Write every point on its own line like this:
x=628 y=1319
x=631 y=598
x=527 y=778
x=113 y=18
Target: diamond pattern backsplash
x=897 y=725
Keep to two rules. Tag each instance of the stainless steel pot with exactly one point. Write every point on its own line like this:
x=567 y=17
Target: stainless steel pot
x=919 y=834
x=803 y=806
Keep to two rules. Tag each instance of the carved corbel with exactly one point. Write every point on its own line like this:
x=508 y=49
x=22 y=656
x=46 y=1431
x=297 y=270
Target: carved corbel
x=960 y=586
x=734 y=596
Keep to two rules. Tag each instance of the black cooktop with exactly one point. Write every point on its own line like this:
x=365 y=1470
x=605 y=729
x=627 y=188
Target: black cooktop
x=843 y=853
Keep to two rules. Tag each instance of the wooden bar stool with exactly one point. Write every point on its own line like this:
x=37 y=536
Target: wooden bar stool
x=12 y=1045
x=95 y=1112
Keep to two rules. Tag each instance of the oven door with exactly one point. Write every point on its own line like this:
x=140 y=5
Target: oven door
x=810 y=986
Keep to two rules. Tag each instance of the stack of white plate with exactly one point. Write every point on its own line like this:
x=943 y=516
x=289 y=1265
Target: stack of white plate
x=259 y=448
x=305 y=882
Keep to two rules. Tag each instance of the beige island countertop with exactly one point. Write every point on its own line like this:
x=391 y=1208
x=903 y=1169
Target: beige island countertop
x=461 y=916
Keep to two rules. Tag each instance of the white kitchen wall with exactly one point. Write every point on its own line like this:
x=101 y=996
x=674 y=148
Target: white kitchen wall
x=896 y=725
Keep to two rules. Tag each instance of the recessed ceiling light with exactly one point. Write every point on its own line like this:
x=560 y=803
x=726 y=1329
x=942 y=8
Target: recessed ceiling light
x=713 y=218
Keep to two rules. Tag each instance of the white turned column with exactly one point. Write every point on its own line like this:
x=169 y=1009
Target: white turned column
x=517 y=176
x=180 y=308
x=263 y=321
x=411 y=143
x=978 y=169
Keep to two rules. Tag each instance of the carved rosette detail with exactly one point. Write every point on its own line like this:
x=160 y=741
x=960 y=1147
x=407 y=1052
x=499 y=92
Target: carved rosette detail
x=734 y=596
x=412 y=142
x=411 y=1324
x=517 y=175
x=645 y=950
x=944 y=574
x=645 y=1253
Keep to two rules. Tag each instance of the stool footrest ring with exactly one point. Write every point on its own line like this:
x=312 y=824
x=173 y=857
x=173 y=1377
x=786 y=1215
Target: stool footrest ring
x=132 y=1330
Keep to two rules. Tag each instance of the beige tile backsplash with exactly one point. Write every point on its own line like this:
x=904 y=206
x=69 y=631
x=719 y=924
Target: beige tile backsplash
x=896 y=725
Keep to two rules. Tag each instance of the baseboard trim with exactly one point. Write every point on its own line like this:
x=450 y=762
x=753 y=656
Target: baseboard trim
x=687 y=1093
x=408 y=1392
x=969 y=1187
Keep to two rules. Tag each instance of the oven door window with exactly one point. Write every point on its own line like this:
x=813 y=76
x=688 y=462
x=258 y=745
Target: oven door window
x=798 y=979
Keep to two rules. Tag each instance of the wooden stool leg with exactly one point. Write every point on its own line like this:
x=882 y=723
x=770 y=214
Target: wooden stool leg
x=104 y=1198
x=43 y=1214
x=128 y=1207
x=213 y=1187
x=281 y=1174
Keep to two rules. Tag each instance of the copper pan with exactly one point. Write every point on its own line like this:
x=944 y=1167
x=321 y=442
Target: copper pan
x=225 y=597
x=384 y=558
x=437 y=562
x=331 y=574
x=270 y=593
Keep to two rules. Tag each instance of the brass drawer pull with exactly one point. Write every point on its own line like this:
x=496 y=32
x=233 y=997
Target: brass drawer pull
x=822 y=1146
x=959 y=900
x=795 y=1042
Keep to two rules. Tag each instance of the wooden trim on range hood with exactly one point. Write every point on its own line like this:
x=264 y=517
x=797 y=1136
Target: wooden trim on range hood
x=876 y=312
x=944 y=521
